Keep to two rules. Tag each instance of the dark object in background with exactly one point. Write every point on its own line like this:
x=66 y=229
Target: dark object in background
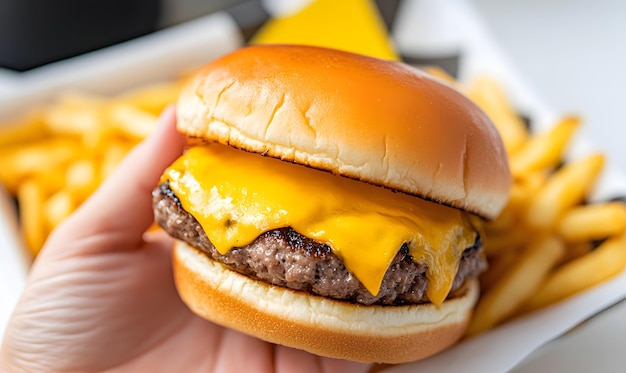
x=249 y=16
x=388 y=10
x=449 y=63
x=36 y=32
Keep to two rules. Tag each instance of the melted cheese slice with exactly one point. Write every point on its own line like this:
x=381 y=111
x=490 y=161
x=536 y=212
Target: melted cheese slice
x=236 y=196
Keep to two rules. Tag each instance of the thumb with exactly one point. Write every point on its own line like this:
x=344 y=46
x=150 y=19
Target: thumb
x=122 y=206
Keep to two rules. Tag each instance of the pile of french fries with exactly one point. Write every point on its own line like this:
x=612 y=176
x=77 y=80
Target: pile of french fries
x=548 y=243
x=545 y=246
x=56 y=156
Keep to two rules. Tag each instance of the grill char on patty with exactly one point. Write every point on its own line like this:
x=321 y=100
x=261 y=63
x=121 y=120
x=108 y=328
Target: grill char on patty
x=284 y=257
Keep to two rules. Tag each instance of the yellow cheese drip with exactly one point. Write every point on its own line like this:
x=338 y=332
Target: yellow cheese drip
x=236 y=196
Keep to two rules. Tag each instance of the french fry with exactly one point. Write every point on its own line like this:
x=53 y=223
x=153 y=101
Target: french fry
x=82 y=178
x=593 y=222
x=30 y=196
x=152 y=98
x=533 y=181
x=58 y=207
x=505 y=221
x=498 y=267
x=566 y=188
x=518 y=285
x=525 y=188
x=489 y=95
x=99 y=137
x=112 y=157
x=440 y=73
x=502 y=242
x=75 y=114
x=51 y=180
x=544 y=150
x=134 y=123
x=576 y=250
x=20 y=162
x=29 y=128
x=510 y=223
x=606 y=261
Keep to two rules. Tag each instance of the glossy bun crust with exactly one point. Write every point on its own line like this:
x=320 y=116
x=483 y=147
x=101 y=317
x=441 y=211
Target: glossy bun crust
x=379 y=121
x=382 y=334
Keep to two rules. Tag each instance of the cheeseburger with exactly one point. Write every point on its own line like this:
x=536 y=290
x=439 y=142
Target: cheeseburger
x=331 y=202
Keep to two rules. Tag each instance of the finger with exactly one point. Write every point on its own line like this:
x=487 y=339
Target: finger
x=292 y=360
x=122 y=206
x=258 y=354
x=345 y=366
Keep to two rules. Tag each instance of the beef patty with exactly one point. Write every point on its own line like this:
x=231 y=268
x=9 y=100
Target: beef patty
x=285 y=258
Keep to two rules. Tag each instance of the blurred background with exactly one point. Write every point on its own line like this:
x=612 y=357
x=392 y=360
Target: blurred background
x=572 y=53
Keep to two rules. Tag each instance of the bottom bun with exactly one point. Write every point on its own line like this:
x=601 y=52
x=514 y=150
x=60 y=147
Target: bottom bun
x=326 y=327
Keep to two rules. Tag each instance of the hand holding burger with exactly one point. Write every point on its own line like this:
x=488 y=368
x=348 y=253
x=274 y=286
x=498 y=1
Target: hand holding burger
x=101 y=296
x=331 y=202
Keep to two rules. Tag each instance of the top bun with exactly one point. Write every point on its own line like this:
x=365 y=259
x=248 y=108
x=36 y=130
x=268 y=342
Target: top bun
x=382 y=122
